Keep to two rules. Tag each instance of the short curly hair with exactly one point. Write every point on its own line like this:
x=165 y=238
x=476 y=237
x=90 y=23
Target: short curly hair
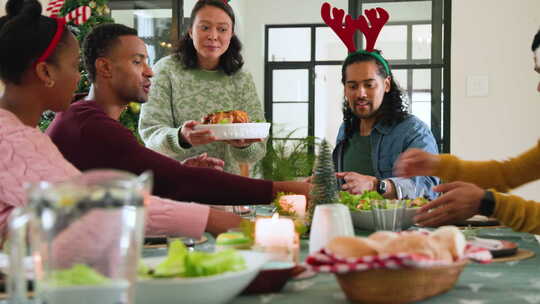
x=100 y=41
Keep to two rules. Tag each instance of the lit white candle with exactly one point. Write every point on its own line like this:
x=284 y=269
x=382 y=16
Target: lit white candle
x=297 y=203
x=274 y=232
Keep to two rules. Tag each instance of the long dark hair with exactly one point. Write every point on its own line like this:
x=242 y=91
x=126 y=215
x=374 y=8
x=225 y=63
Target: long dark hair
x=393 y=108
x=24 y=36
x=536 y=41
x=230 y=62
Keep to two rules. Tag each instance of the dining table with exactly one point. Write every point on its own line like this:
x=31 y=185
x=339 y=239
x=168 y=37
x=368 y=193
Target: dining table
x=497 y=282
x=513 y=282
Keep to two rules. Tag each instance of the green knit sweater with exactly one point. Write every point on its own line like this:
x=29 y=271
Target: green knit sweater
x=179 y=94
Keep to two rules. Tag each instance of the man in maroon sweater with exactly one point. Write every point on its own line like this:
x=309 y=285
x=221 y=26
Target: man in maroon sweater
x=89 y=135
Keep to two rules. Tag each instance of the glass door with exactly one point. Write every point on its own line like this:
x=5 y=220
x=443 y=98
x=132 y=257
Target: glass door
x=156 y=21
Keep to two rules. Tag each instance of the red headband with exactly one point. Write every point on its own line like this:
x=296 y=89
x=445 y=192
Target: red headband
x=60 y=26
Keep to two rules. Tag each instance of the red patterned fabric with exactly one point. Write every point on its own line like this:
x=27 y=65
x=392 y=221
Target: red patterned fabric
x=325 y=261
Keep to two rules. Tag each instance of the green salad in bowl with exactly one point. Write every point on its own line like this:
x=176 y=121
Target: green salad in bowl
x=360 y=206
x=185 y=276
x=364 y=201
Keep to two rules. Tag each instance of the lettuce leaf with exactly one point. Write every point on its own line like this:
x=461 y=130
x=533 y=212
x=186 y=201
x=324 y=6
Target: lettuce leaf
x=175 y=263
x=181 y=262
x=79 y=274
x=200 y=264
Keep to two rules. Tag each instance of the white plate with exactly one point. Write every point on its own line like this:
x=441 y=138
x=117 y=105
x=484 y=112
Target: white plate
x=215 y=289
x=364 y=219
x=237 y=130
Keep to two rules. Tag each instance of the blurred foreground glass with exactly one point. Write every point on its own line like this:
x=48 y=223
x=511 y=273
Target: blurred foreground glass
x=84 y=236
x=388 y=214
x=329 y=221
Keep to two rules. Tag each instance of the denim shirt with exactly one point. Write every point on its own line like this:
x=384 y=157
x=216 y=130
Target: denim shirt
x=387 y=143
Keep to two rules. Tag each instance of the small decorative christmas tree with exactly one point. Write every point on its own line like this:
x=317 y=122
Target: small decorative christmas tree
x=324 y=181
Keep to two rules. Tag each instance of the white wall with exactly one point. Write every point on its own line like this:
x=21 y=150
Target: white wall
x=258 y=13
x=495 y=40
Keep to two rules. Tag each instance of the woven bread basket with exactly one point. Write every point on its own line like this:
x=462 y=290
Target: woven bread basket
x=399 y=286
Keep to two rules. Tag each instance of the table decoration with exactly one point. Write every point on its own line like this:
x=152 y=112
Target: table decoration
x=277 y=237
x=329 y=221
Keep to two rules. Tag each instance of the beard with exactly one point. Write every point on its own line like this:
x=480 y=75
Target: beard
x=364 y=115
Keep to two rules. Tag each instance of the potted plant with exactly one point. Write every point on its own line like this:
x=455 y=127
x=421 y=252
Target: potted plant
x=287 y=158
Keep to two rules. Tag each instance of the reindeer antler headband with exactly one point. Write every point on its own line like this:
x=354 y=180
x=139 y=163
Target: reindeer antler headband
x=78 y=16
x=377 y=18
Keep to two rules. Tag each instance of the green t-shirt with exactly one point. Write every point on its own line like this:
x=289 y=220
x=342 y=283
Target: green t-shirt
x=357 y=156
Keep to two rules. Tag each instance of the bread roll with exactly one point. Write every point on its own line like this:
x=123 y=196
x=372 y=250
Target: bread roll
x=417 y=243
x=382 y=237
x=352 y=247
x=451 y=238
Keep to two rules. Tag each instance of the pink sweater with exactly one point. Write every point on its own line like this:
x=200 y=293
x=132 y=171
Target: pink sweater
x=29 y=156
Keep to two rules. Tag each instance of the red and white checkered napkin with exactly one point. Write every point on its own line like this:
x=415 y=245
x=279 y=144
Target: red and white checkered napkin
x=324 y=261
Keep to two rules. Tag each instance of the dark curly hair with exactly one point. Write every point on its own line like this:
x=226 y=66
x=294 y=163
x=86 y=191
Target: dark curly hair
x=230 y=62
x=24 y=36
x=393 y=108
x=100 y=41
x=536 y=41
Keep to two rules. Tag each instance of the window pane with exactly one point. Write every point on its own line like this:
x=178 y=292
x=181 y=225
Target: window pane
x=421 y=41
x=328 y=101
x=393 y=42
x=290 y=85
x=404 y=11
x=400 y=76
x=422 y=109
x=289 y=44
x=328 y=45
x=288 y=118
x=188 y=7
x=153 y=26
x=422 y=79
x=421 y=95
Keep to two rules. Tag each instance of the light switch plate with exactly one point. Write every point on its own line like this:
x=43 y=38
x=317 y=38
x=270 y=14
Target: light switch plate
x=477 y=86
